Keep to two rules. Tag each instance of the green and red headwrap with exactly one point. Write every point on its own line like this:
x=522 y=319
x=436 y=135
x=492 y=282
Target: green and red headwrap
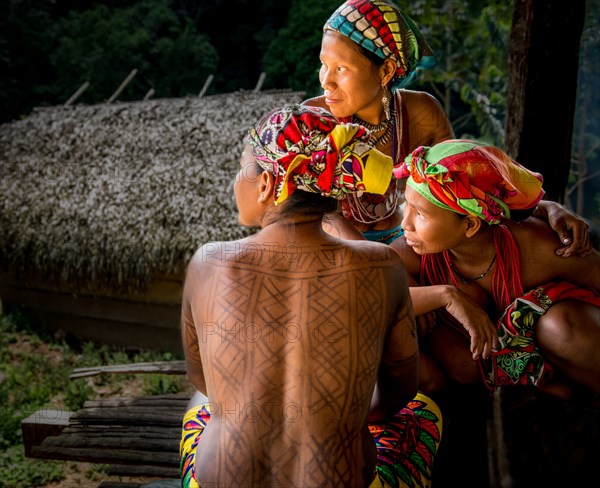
x=471 y=178
x=306 y=148
x=381 y=28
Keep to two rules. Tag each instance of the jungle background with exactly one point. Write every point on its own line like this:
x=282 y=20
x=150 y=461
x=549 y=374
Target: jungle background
x=50 y=48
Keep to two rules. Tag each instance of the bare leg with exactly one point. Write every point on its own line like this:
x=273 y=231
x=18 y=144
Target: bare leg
x=569 y=337
x=450 y=350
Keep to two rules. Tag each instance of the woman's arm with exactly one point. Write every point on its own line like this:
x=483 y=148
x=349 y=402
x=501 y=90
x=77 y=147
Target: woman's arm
x=398 y=374
x=426 y=299
x=189 y=334
x=465 y=310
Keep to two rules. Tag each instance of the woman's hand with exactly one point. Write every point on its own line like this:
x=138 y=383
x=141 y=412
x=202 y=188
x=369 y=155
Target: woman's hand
x=484 y=338
x=572 y=231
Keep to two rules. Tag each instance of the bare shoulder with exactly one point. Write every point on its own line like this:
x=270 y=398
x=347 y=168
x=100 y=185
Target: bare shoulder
x=316 y=102
x=421 y=104
x=374 y=252
x=534 y=237
x=427 y=120
x=537 y=244
x=410 y=259
x=202 y=261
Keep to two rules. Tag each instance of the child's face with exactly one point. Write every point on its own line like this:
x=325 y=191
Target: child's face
x=428 y=228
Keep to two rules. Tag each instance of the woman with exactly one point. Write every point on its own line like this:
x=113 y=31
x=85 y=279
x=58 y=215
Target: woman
x=304 y=344
x=463 y=202
x=370 y=51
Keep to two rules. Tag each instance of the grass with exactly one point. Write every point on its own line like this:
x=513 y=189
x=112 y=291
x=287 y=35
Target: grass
x=34 y=374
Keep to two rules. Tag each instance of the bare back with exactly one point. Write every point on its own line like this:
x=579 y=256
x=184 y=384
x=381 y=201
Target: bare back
x=290 y=340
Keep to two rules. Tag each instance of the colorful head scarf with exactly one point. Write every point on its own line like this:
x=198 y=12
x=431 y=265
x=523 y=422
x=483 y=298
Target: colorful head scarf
x=471 y=178
x=381 y=28
x=306 y=148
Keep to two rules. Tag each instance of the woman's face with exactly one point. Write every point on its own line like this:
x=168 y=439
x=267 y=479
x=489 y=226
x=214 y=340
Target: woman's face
x=428 y=228
x=246 y=189
x=351 y=82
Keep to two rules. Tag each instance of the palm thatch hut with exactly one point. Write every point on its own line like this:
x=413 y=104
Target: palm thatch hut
x=102 y=206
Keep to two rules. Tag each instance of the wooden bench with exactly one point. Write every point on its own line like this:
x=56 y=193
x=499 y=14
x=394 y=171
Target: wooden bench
x=136 y=437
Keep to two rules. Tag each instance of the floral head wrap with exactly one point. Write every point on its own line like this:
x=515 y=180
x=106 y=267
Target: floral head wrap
x=381 y=28
x=471 y=178
x=307 y=149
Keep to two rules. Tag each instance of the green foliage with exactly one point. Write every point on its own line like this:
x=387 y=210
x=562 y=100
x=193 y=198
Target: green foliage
x=16 y=470
x=470 y=42
x=76 y=394
x=583 y=190
x=34 y=375
x=102 y=45
x=292 y=59
x=162 y=384
x=23 y=62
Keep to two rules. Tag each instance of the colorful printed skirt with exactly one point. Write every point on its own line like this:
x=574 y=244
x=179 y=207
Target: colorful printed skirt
x=406 y=446
x=518 y=360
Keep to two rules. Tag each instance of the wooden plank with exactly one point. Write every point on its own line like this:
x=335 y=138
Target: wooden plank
x=161 y=367
x=41 y=425
x=84 y=441
x=155 y=471
x=169 y=432
x=121 y=416
x=100 y=456
x=113 y=484
x=176 y=400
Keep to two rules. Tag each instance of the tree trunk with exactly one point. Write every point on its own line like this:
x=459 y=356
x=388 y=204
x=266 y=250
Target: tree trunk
x=542 y=87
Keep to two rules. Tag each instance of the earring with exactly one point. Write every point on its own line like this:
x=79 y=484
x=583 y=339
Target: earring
x=385 y=101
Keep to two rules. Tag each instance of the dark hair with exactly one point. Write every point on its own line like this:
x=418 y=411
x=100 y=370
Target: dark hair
x=308 y=203
x=304 y=202
x=520 y=215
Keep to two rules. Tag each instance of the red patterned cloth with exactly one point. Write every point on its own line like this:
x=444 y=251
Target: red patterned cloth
x=518 y=361
x=307 y=149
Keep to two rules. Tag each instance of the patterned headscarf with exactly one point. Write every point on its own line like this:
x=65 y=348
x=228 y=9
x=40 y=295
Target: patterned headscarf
x=471 y=178
x=306 y=148
x=380 y=27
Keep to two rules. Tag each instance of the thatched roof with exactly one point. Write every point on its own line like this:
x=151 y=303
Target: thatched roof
x=117 y=194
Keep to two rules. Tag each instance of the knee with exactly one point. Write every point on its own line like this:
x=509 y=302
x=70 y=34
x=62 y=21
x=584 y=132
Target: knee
x=570 y=330
x=555 y=329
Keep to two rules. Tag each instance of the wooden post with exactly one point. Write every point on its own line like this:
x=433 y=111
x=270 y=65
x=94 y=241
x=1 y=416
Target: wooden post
x=206 y=85
x=543 y=64
x=40 y=425
x=78 y=93
x=259 y=83
x=149 y=94
x=122 y=86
